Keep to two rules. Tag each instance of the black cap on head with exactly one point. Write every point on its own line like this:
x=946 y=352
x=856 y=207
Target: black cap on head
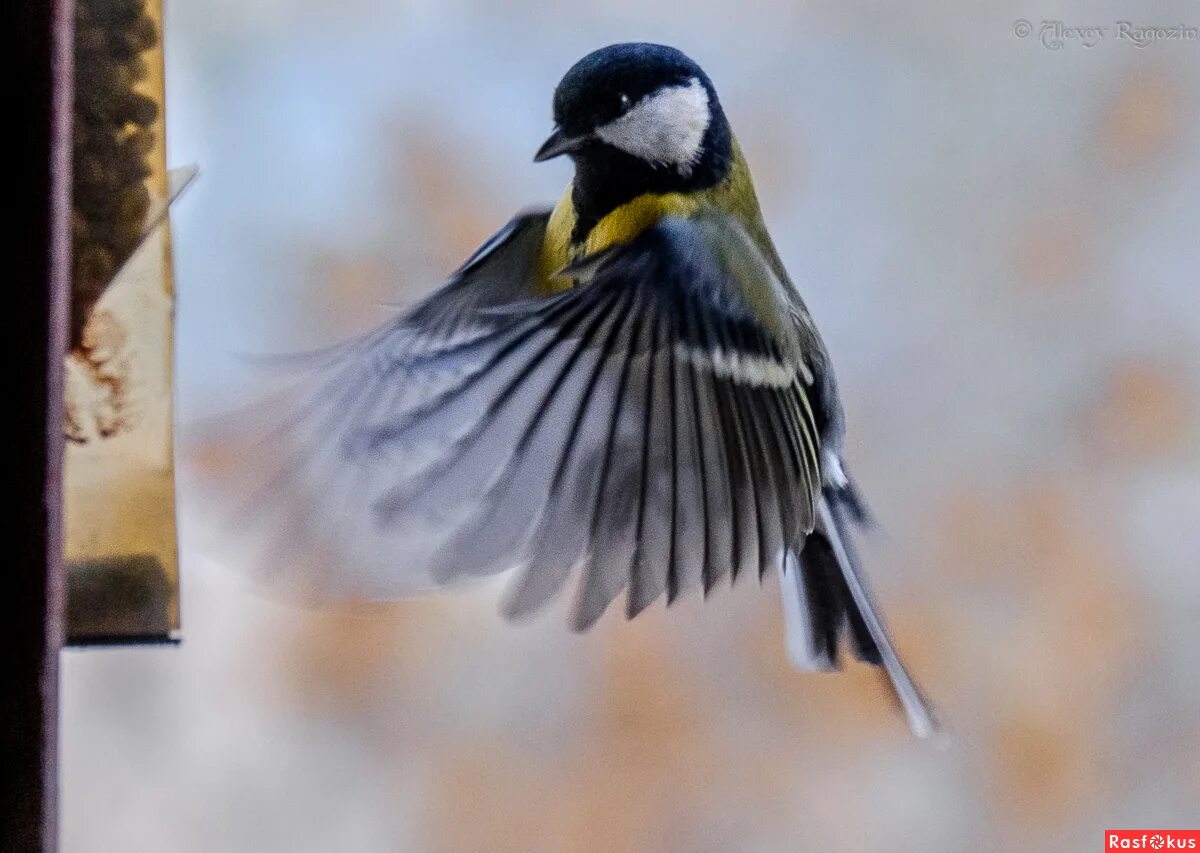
x=600 y=86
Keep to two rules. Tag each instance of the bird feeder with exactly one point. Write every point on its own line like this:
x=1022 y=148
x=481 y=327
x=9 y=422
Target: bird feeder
x=118 y=479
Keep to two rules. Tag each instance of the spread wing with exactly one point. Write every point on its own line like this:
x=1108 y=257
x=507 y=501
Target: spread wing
x=644 y=431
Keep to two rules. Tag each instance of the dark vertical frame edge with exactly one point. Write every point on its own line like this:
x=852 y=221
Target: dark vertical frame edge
x=31 y=607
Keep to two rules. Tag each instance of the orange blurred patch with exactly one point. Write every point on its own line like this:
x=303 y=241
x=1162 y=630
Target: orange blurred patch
x=483 y=796
x=640 y=770
x=985 y=533
x=644 y=708
x=1141 y=122
x=208 y=455
x=1058 y=664
x=1085 y=628
x=337 y=657
x=650 y=756
x=1142 y=410
x=1031 y=543
x=458 y=210
x=1053 y=247
x=1043 y=773
x=973 y=528
x=1051 y=626
x=352 y=282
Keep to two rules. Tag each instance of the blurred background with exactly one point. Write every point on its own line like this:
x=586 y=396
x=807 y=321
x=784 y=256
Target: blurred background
x=1000 y=241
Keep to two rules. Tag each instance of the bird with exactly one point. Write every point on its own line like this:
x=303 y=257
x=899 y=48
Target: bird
x=622 y=393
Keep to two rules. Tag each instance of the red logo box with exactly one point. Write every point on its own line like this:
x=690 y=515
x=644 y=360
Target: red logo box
x=1152 y=839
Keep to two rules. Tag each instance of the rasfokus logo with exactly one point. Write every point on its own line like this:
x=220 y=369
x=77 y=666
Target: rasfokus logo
x=1152 y=839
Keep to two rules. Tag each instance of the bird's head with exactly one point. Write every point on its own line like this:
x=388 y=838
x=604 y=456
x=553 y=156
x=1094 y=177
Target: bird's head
x=639 y=118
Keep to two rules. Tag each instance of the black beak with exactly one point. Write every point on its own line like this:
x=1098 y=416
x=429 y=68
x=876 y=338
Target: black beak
x=558 y=144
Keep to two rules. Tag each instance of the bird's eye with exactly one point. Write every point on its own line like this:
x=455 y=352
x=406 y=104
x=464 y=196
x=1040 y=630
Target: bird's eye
x=623 y=99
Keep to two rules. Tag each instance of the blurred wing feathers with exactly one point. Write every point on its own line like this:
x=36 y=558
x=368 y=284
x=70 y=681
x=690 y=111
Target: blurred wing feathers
x=645 y=430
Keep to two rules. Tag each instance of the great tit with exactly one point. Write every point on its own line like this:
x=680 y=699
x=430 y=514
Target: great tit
x=626 y=390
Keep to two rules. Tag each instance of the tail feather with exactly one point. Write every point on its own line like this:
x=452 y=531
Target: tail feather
x=811 y=613
x=826 y=596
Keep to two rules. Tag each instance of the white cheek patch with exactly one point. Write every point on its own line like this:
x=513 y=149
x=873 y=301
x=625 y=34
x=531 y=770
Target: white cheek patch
x=665 y=128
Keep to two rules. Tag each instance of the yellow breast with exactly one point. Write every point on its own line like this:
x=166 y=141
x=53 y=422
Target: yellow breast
x=620 y=226
x=734 y=195
x=634 y=217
